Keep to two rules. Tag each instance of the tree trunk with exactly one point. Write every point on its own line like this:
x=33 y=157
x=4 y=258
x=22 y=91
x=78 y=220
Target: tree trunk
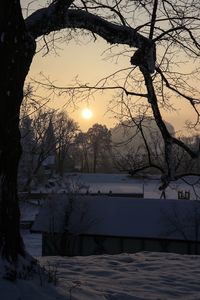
x=16 y=52
x=95 y=155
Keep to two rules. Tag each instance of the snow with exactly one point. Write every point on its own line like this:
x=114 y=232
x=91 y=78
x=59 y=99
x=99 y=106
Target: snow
x=140 y=276
x=120 y=183
x=28 y=210
x=33 y=242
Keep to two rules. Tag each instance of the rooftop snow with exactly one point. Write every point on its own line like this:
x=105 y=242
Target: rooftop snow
x=113 y=216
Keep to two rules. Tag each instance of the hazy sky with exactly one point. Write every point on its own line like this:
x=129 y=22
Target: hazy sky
x=86 y=61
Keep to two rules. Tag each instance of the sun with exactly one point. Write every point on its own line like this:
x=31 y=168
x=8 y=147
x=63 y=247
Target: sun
x=87 y=113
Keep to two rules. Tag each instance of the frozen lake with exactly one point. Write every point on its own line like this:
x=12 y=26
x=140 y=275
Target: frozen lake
x=120 y=184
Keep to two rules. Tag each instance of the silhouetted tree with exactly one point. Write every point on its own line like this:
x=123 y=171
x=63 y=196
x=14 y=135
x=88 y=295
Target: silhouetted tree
x=65 y=130
x=47 y=137
x=42 y=147
x=17 y=48
x=82 y=151
x=138 y=145
x=99 y=141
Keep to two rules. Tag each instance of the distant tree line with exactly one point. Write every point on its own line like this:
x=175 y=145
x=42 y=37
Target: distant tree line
x=139 y=148
x=53 y=144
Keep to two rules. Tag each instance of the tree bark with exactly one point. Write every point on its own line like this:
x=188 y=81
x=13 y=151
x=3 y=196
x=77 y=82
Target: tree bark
x=17 y=48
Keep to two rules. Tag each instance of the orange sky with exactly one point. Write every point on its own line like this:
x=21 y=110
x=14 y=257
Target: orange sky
x=86 y=60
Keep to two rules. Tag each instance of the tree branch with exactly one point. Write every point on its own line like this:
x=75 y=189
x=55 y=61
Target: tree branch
x=46 y=20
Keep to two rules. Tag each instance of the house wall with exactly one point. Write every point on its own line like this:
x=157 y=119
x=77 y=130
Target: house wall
x=69 y=245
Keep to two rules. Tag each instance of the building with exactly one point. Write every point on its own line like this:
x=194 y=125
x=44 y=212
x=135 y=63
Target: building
x=87 y=225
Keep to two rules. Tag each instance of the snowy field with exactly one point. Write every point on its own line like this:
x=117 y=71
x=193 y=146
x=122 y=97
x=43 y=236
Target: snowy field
x=120 y=183
x=123 y=183
x=140 y=276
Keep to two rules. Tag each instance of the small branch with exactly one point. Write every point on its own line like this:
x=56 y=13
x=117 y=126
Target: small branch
x=153 y=19
x=193 y=101
x=87 y=87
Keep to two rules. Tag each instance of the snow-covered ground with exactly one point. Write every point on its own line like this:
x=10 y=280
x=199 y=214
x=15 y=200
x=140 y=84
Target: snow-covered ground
x=140 y=276
x=119 y=183
x=33 y=242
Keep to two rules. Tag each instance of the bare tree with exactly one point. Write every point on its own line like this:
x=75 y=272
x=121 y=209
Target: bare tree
x=65 y=130
x=41 y=146
x=47 y=137
x=159 y=78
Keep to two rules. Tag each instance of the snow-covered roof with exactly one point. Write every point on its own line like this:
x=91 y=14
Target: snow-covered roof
x=113 y=216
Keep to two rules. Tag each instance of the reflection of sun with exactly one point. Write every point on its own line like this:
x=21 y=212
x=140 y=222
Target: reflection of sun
x=87 y=113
